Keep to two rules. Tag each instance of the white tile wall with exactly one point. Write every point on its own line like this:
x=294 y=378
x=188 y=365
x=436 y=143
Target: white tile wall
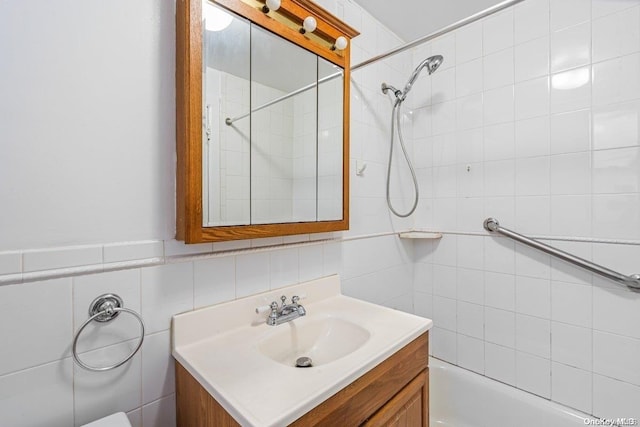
x=498 y=32
x=560 y=104
x=500 y=363
x=469 y=43
x=38 y=396
x=613 y=356
x=533 y=335
x=10 y=262
x=160 y=413
x=533 y=374
x=570 y=47
x=565 y=13
x=35 y=338
x=214 y=281
x=498 y=69
x=531 y=59
x=470 y=287
x=471 y=353
x=60 y=258
x=613 y=398
x=616 y=34
x=605 y=7
x=531 y=20
x=470 y=319
x=572 y=387
x=163 y=294
x=98 y=394
x=158 y=373
x=500 y=327
x=125 y=251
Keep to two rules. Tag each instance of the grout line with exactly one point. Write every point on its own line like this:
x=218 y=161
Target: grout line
x=73 y=364
x=591 y=152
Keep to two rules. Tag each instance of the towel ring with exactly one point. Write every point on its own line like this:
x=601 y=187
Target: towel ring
x=104 y=309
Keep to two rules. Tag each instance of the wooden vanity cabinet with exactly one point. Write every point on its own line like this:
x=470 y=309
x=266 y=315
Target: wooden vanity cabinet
x=394 y=393
x=408 y=408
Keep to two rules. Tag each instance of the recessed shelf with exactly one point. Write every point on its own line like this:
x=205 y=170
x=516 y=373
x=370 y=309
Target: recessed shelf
x=420 y=235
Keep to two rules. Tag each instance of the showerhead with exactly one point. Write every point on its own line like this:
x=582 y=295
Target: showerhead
x=431 y=64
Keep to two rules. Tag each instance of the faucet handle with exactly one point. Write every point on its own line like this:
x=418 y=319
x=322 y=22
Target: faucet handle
x=263 y=309
x=296 y=298
x=267 y=308
x=284 y=300
x=274 y=310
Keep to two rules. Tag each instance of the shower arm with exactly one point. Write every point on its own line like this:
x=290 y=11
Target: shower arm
x=633 y=281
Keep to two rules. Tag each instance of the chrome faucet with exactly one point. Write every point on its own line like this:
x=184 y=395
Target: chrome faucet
x=286 y=312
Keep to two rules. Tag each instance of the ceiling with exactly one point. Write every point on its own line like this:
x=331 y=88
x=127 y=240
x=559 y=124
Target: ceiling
x=411 y=19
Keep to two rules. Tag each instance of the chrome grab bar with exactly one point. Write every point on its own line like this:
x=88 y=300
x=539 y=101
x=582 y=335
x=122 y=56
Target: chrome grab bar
x=633 y=281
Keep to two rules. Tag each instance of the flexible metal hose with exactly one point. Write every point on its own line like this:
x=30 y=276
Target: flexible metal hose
x=395 y=120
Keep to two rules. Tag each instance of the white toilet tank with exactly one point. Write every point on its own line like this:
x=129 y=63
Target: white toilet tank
x=116 y=420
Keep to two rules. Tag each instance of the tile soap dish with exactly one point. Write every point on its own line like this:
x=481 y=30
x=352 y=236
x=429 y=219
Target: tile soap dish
x=420 y=235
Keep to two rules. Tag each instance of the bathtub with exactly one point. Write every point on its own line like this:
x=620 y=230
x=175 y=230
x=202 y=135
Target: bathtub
x=461 y=398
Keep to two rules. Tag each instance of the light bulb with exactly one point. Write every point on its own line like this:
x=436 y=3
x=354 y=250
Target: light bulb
x=341 y=43
x=272 y=5
x=216 y=19
x=309 y=24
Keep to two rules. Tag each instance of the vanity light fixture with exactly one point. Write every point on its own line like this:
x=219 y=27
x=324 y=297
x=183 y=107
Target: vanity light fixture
x=309 y=24
x=340 y=44
x=271 y=5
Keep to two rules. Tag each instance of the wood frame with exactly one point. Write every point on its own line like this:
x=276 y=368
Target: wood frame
x=189 y=221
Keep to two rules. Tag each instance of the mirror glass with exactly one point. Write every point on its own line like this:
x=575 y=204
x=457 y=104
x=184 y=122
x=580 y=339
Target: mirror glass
x=330 y=137
x=226 y=86
x=283 y=128
x=272 y=127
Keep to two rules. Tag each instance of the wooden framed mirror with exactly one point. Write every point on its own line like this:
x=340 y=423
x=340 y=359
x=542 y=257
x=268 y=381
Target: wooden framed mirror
x=262 y=119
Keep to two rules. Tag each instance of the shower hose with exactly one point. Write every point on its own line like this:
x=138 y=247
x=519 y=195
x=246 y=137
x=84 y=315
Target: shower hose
x=395 y=122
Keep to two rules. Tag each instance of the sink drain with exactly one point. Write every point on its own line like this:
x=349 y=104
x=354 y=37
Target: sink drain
x=304 y=362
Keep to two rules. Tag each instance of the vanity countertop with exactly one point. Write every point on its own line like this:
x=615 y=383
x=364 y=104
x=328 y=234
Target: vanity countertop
x=220 y=346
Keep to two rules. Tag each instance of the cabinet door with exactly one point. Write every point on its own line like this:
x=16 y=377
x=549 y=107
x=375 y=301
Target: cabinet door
x=408 y=408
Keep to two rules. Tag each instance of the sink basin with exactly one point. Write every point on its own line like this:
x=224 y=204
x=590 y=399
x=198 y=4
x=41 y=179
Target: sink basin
x=248 y=366
x=323 y=339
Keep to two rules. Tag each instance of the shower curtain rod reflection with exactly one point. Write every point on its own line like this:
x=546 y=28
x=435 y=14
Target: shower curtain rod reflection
x=229 y=121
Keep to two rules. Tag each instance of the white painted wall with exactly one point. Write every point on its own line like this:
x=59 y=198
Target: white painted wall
x=88 y=130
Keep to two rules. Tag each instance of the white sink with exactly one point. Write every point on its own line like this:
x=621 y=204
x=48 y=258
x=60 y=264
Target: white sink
x=324 y=339
x=248 y=366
